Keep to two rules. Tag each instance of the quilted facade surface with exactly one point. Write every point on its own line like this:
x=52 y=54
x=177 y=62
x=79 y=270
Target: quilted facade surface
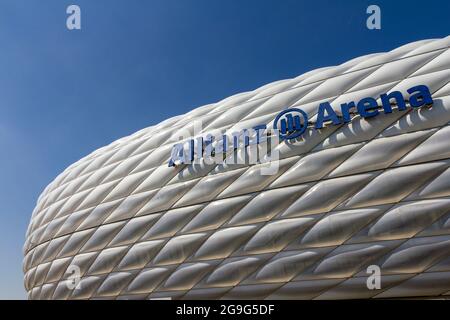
x=371 y=192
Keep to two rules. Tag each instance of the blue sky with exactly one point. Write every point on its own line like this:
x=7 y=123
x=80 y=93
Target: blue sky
x=66 y=93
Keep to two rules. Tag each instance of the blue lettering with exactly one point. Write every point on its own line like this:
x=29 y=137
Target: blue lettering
x=368 y=107
x=422 y=98
x=331 y=115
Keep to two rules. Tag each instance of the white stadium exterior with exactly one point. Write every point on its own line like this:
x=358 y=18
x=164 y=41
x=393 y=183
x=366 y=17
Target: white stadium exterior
x=363 y=187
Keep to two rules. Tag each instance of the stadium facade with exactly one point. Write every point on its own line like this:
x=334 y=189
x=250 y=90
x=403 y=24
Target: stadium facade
x=361 y=183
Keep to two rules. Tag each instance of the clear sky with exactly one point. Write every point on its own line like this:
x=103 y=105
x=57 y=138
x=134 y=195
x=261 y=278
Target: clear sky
x=66 y=93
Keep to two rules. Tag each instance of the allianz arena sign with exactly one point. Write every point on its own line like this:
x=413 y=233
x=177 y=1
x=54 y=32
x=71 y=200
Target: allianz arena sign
x=292 y=123
x=365 y=187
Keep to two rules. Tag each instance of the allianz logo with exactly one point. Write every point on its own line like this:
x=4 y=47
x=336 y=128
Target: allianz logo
x=292 y=123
